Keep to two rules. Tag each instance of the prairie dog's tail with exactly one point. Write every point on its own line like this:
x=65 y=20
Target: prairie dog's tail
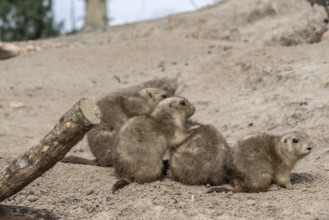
x=79 y=160
x=224 y=189
x=119 y=185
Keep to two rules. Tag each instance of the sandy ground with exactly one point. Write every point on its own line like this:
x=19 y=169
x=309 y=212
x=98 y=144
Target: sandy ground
x=248 y=66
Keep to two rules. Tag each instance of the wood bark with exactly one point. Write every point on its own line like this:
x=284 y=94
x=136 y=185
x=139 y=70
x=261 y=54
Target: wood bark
x=96 y=15
x=52 y=148
x=25 y=213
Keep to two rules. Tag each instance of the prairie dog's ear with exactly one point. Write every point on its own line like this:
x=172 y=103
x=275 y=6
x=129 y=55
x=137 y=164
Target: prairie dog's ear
x=286 y=144
x=284 y=139
x=150 y=94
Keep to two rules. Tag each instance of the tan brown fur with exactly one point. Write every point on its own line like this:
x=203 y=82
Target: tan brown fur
x=143 y=141
x=257 y=162
x=116 y=110
x=200 y=159
x=170 y=85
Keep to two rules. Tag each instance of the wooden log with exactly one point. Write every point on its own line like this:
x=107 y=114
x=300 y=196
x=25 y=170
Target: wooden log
x=25 y=213
x=52 y=148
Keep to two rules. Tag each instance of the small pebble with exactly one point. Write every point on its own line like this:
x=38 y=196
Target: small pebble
x=174 y=201
x=89 y=192
x=251 y=202
x=32 y=198
x=16 y=104
x=268 y=69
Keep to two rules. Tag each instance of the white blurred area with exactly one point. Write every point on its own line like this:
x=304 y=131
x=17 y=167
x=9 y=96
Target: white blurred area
x=72 y=12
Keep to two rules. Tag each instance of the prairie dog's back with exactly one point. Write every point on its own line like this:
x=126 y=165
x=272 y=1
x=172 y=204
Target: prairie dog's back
x=117 y=109
x=257 y=162
x=142 y=141
x=200 y=159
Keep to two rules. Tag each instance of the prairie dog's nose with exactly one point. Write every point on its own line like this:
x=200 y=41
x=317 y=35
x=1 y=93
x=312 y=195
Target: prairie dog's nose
x=309 y=147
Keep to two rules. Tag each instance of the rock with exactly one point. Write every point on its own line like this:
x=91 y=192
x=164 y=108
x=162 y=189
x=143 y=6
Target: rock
x=32 y=198
x=16 y=104
x=8 y=51
x=325 y=37
x=251 y=202
x=268 y=69
x=89 y=192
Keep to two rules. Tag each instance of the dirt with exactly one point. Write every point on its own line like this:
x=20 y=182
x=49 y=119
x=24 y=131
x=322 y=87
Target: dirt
x=248 y=67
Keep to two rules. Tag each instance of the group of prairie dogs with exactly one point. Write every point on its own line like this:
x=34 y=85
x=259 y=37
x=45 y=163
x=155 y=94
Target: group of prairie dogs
x=137 y=130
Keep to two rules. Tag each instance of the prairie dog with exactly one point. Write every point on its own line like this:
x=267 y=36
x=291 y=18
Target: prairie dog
x=168 y=84
x=200 y=159
x=257 y=162
x=142 y=141
x=116 y=110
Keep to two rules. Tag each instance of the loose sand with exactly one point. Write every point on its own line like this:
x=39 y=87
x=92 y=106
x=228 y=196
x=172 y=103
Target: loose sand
x=247 y=66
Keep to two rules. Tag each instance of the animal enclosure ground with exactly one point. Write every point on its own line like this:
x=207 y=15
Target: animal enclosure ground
x=248 y=67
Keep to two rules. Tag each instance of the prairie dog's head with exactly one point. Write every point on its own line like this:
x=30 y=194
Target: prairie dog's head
x=175 y=107
x=296 y=143
x=153 y=96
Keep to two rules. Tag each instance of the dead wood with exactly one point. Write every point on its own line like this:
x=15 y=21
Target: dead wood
x=52 y=148
x=25 y=213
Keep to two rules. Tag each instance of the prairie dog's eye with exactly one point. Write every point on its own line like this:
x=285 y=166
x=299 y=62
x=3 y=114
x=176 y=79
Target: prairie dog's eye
x=164 y=96
x=295 y=140
x=182 y=102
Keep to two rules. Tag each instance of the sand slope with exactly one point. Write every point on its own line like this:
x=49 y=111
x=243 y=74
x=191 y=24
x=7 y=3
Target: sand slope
x=248 y=66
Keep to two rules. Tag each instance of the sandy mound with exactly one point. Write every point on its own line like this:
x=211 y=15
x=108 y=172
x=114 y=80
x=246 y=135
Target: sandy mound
x=235 y=68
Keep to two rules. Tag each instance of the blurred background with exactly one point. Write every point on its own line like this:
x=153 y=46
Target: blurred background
x=35 y=19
